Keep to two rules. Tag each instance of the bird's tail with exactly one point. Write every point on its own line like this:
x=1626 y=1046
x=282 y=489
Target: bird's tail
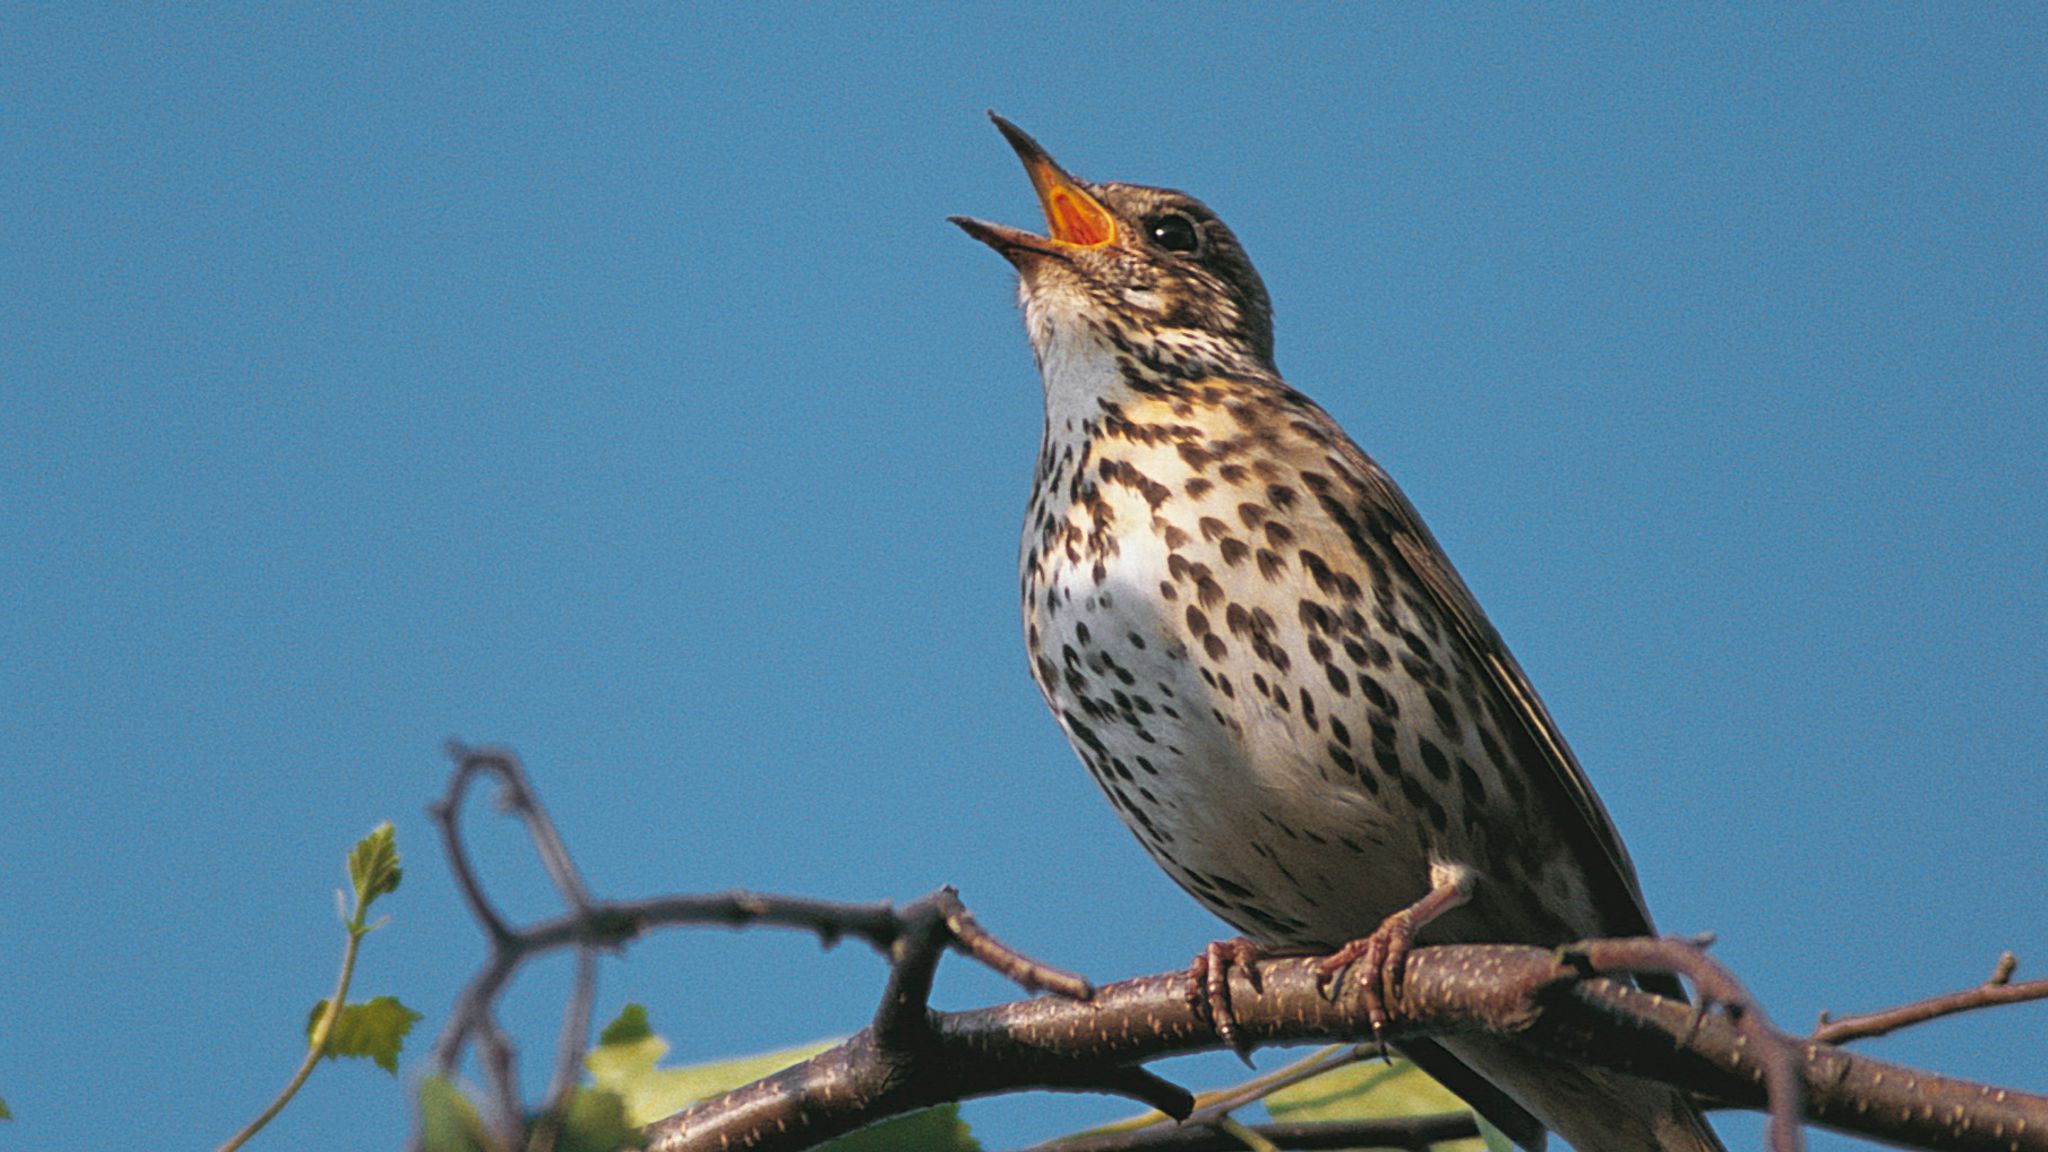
x=1591 y=1109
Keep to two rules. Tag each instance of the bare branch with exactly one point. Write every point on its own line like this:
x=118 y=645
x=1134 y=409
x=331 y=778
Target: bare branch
x=1410 y=1132
x=1560 y=1003
x=1531 y=994
x=1996 y=991
x=971 y=939
x=912 y=938
x=1715 y=986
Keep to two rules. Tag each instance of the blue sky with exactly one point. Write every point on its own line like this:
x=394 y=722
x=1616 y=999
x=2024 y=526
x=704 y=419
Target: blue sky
x=610 y=385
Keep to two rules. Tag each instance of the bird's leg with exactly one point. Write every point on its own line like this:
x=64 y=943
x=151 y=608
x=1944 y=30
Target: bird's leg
x=1209 y=987
x=1384 y=954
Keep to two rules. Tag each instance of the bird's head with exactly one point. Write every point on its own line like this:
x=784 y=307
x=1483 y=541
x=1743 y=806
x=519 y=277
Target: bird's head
x=1148 y=266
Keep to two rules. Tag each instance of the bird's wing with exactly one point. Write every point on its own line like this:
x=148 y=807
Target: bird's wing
x=1583 y=820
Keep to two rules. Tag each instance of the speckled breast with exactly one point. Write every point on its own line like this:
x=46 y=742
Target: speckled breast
x=1211 y=665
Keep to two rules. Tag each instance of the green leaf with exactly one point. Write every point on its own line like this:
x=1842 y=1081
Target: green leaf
x=4 y=1113
x=1372 y=1091
x=448 y=1121
x=937 y=1129
x=376 y=1029
x=629 y=1027
x=596 y=1123
x=625 y=1066
x=627 y=1057
x=373 y=865
x=1495 y=1139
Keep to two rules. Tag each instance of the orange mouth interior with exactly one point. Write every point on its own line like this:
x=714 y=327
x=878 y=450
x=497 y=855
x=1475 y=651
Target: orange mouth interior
x=1075 y=218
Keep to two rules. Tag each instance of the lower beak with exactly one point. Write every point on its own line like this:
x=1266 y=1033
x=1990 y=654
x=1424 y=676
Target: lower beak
x=1073 y=216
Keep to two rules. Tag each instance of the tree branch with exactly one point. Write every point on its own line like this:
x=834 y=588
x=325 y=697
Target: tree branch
x=1993 y=992
x=1561 y=1003
x=1535 y=995
x=1417 y=1133
x=913 y=938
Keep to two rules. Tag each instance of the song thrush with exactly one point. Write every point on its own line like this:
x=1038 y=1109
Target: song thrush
x=1271 y=668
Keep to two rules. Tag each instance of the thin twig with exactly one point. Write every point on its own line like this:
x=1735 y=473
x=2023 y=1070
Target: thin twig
x=971 y=939
x=1405 y=1132
x=1715 y=985
x=1549 y=1006
x=913 y=939
x=1998 y=990
x=1553 y=1002
x=1216 y=1105
x=316 y=1043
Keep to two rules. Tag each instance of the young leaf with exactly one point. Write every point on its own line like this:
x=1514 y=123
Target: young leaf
x=596 y=1123
x=1373 y=1090
x=373 y=865
x=624 y=1066
x=626 y=1061
x=448 y=1121
x=375 y=1029
x=631 y=1026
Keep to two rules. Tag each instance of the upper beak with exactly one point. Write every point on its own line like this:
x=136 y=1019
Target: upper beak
x=1073 y=217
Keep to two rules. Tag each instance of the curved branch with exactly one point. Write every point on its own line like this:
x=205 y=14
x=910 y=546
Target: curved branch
x=1533 y=994
x=913 y=938
x=1557 y=1003
x=1999 y=989
x=1414 y=1133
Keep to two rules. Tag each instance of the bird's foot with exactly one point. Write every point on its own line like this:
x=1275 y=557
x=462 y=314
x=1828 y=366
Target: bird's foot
x=1384 y=953
x=1382 y=959
x=1208 y=989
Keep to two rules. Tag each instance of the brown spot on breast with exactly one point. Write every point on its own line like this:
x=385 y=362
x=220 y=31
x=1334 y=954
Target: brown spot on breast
x=1234 y=550
x=1197 y=487
x=1446 y=716
x=1270 y=564
x=1474 y=788
x=1317 y=618
x=1251 y=514
x=1377 y=696
x=1433 y=759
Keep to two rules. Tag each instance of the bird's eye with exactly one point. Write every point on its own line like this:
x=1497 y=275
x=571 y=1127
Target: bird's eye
x=1174 y=232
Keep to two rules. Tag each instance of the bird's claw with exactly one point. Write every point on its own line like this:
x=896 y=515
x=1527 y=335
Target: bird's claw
x=1383 y=957
x=1208 y=988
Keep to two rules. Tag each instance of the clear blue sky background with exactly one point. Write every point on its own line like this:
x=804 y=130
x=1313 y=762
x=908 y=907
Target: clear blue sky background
x=612 y=386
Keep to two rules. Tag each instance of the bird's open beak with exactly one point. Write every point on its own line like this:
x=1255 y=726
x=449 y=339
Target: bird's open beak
x=1072 y=217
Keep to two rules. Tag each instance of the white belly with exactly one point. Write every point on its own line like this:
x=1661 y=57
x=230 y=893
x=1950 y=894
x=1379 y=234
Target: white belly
x=1228 y=791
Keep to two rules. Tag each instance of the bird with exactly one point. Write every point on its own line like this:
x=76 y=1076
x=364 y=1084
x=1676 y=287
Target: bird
x=1270 y=667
